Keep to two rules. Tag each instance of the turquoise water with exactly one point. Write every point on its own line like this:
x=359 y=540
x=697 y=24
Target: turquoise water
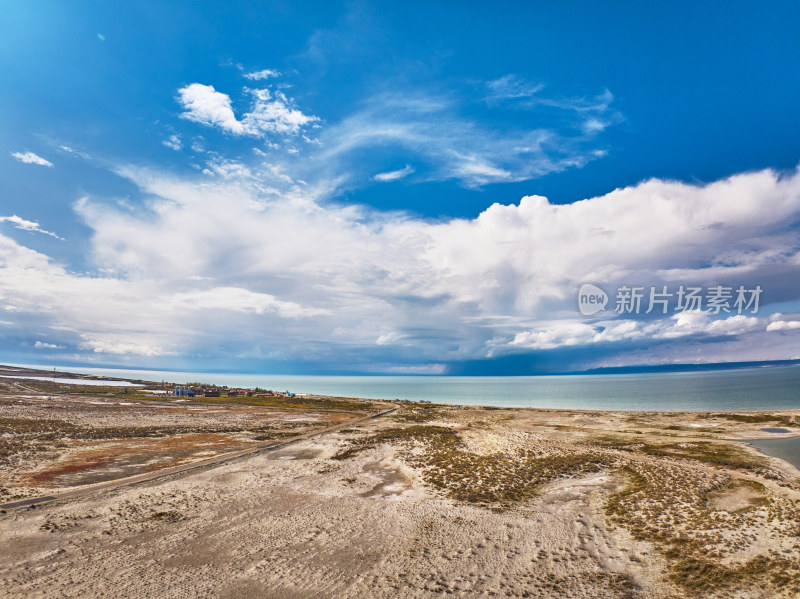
x=743 y=389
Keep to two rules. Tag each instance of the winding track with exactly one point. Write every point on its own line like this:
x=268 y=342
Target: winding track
x=175 y=471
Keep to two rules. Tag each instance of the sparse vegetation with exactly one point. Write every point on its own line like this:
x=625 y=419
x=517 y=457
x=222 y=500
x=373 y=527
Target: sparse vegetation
x=291 y=403
x=497 y=479
x=32 y=435
x=778 y=419
x=672 y=506
x=714 y=453
x=168 y=516
x=415 y=415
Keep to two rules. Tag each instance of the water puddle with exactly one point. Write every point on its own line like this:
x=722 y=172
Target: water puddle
x=787 y=448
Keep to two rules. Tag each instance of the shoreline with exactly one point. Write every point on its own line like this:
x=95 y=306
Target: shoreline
x=35 y=374
x=720 y=391
x=794 y=444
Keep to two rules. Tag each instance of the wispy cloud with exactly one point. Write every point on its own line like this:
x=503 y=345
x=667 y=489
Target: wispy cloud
x=524 y=94
x=73 y=152
x=593 y=114
x=394 y=175
x=28 y=225
x=31 y=158
x=432 y=130
x=263 y=74
x=511 y=87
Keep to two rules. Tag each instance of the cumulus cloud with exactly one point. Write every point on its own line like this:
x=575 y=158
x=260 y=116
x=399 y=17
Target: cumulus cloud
x=697 y=322
x=269 y=112
x=173 y=142
x=141 y=316
x=783 y=325
x=274 y=113
x=573 y=333
x=28 y=225
x=207 y=262
x=31 y=158
x=205 y=105
x=43 y=345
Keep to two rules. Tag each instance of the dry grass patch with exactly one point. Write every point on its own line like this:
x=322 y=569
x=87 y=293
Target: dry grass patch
x=710 y=527
x=498 y=479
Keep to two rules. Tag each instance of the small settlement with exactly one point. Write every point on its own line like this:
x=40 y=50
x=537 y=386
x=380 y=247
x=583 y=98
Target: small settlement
x=194 y=391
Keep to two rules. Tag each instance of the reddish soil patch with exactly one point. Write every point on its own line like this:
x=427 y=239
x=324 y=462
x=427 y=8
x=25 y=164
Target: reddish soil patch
x=68 y=468
x=94 y=462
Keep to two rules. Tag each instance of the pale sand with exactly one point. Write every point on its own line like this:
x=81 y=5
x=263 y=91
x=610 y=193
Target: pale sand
x=297 y=523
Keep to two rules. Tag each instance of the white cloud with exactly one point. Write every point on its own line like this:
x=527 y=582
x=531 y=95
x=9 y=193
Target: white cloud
x=269 y=112
x=511 y=87
x=174 y=142
x=28 y=225
x=388 y=338
x=433 y=130
x=275 y=113
x=430 y=129
x=241 y=300
x=574 y=333
x=31 y=158
x=112 y=344
x=252 y=258
x=74 y=152
x=698 y=322
x=783 y=325
x=524 y=94
x=43 y=345
x=263 y=74
x=205 y=105
x=394 y=175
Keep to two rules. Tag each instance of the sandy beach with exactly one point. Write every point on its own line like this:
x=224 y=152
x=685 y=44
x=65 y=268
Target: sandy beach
x=427 y=501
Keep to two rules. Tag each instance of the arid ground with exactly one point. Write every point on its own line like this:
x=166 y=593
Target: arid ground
x=423 y=502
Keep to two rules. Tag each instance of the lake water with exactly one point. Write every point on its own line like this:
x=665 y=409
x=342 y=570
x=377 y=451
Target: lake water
x=67 y=381
x=788 y=449
x=763 y=388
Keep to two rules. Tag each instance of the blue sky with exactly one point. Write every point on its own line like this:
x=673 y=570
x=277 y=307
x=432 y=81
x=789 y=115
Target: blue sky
x=338 y=187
